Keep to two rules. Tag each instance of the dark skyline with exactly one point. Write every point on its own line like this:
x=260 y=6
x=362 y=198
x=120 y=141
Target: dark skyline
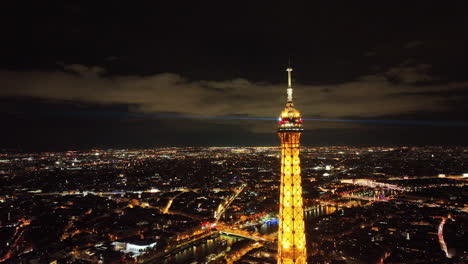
x=78 y=75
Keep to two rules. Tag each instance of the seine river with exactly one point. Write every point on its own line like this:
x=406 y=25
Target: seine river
x=216 y=245
x=202 y=250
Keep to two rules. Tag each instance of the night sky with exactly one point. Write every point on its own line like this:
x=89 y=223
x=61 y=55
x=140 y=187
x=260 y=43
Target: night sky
x=129 y=74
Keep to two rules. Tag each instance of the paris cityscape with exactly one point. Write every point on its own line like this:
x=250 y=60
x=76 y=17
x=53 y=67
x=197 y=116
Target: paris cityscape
x=193 y=133
x=219 y=205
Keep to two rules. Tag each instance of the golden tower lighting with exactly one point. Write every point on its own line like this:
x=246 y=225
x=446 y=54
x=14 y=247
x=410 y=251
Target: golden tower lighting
x=291 y=233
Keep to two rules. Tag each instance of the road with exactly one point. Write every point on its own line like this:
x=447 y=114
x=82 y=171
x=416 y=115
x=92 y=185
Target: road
x=223 y=207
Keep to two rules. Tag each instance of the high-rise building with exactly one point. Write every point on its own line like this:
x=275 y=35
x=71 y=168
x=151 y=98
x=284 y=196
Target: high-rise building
x=291 y=232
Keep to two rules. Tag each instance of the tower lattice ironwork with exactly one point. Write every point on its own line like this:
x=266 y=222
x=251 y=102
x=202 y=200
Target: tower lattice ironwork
x=291 y=232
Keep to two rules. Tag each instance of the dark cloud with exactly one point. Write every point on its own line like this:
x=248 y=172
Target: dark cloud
x=123 y=62
x=410 y=74
x=413 y=44
x=88 y=72
x=367 y=96
x=41 y=125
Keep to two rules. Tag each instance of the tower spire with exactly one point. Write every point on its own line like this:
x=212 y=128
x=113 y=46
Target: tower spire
x=290 y=90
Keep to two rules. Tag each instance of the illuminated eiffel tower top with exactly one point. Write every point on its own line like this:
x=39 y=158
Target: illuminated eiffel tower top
x=291 y=229
x=290 y=119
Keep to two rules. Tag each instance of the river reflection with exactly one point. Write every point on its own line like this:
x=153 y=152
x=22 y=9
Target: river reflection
x=200 y=251
x=216 y=245
x=311 y=213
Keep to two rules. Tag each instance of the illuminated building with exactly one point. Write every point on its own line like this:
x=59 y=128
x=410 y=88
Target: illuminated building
x=137 y=246
x=291 y=233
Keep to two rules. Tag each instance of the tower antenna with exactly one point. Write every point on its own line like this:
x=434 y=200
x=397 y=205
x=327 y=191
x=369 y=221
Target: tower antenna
x=290 y=90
